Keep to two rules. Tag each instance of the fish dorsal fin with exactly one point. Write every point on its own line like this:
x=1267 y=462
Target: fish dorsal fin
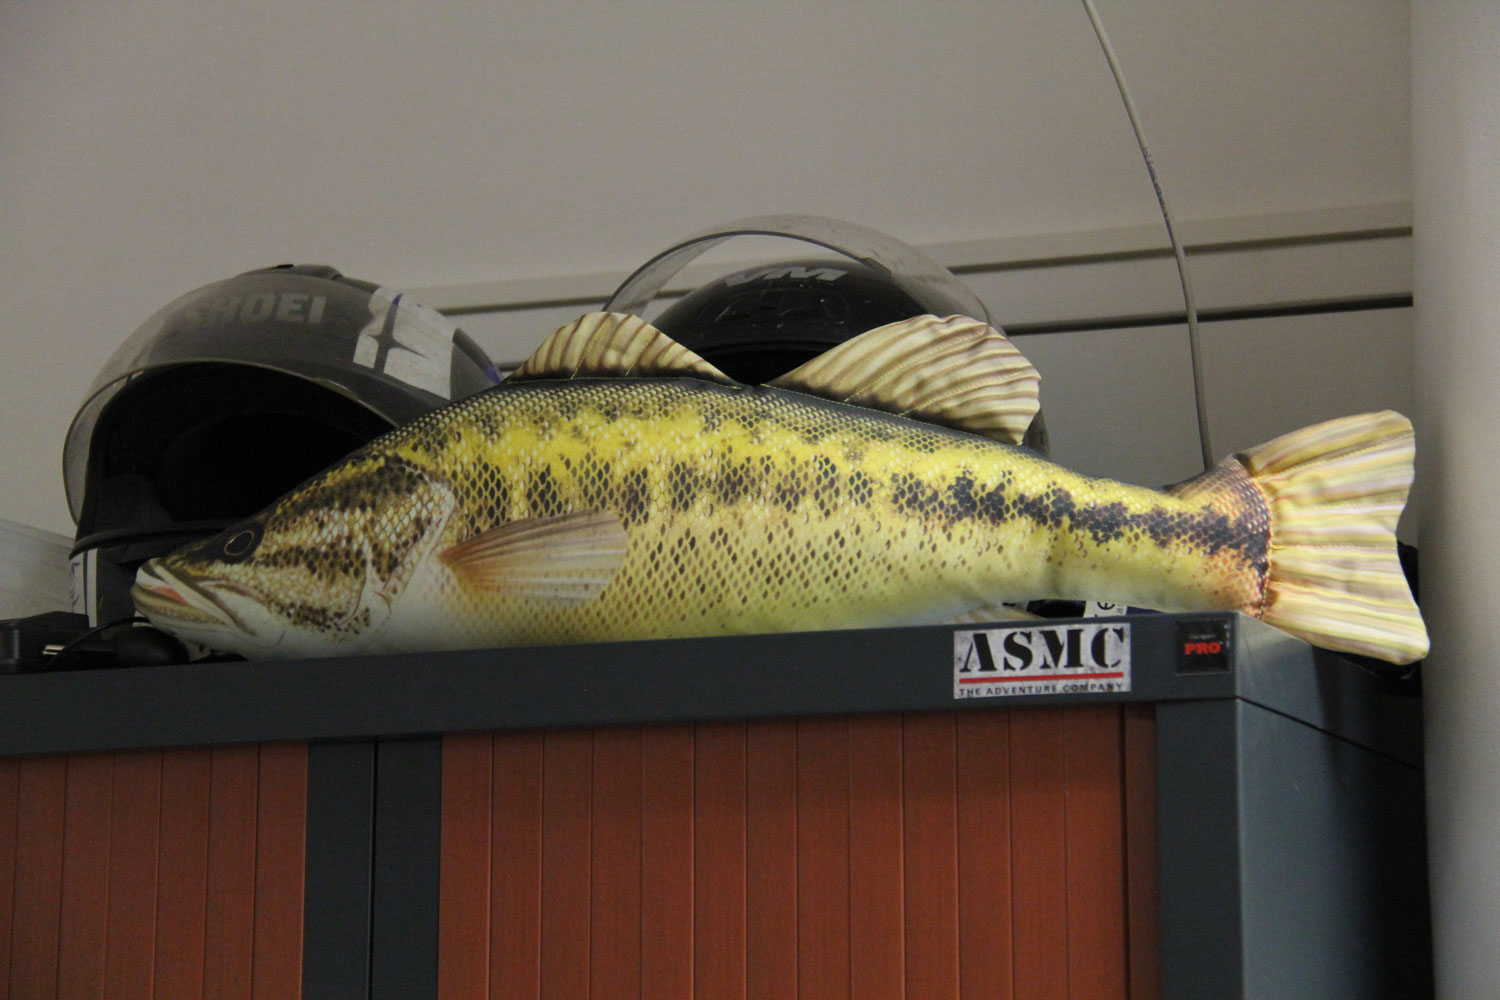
x=955 y=371
x=612 y=345
x=569 y=558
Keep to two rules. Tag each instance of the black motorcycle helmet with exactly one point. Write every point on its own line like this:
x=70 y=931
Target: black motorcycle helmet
x=762 y=322
x=232 y=395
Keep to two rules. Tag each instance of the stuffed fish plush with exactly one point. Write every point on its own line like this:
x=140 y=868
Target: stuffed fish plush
x=617 y=486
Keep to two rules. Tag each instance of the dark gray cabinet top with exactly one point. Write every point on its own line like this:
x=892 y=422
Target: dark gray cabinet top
x=1176 y=657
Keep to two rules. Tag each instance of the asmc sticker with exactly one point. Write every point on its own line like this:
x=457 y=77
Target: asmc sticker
x=1042 y=659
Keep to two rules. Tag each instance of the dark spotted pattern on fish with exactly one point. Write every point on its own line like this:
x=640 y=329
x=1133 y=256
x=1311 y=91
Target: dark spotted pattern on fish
x=743 y=509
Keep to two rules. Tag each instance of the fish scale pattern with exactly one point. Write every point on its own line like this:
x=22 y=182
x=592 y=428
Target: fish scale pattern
x=755 y=509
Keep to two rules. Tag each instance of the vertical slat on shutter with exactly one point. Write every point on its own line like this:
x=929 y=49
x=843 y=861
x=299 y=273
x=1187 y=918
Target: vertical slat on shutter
x=38 y=879
x=229 y=922
x=567 y=782
x=1039 y=871
x=85 y=876
x=280 y=865
x=516 y=868
x=719 y=861
x=823 y=857
x=877 y=925
x=134 y=845
x=667 y=834
x=1096 y=856
x=615 y=911
x=464 y=868
x=182 y=882
x=984 y=836
x=931 y=821
x=10 y=789
x=771 y=859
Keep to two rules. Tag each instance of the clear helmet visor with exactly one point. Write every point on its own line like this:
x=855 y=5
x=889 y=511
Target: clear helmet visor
x=914 y=271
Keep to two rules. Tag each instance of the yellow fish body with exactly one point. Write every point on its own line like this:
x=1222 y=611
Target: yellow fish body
x=619 y=488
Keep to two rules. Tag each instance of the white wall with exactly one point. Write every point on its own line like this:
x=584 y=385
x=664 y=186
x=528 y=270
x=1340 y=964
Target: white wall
x=146 y=149
x=1456 y=155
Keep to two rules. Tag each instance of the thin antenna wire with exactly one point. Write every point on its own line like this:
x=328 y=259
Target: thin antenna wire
x=1194 y=350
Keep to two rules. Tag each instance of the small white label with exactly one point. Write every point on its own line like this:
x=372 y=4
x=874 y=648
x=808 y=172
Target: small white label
x=1042 y=659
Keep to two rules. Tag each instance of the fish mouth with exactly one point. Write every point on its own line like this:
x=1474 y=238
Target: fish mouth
x=163 y=597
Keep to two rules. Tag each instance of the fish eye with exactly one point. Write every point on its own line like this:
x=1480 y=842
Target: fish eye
x=239 y=542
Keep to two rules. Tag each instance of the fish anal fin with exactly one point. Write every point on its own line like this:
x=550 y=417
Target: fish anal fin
x=954 y=371
x=612 y=345
x=569 y=558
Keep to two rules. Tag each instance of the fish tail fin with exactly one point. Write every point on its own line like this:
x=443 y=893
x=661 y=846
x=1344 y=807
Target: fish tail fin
x=1334 y=492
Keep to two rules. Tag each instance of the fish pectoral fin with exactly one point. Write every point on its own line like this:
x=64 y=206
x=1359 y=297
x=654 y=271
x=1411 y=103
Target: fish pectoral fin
x=569 y=558
x=613 y=345
x=956 y=371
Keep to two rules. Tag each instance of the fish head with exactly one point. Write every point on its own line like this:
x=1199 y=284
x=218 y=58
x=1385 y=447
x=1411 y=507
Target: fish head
x=315 y=574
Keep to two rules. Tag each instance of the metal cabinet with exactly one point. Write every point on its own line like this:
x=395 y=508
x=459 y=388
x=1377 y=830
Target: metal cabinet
x=812 y=814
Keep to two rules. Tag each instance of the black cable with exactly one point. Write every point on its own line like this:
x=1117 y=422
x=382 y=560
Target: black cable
x=71 y=646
